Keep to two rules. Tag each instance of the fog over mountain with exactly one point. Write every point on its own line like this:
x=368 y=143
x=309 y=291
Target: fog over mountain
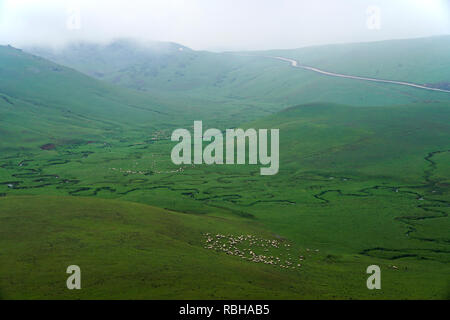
x=221 y=25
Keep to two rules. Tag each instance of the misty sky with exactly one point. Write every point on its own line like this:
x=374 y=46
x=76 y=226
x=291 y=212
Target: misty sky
x=221 y=24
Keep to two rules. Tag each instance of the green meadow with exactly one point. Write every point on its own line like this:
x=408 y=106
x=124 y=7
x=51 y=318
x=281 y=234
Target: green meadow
x=86 y=176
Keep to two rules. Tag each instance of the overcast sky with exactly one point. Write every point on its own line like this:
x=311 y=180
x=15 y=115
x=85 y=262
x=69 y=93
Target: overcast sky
x=221 y=24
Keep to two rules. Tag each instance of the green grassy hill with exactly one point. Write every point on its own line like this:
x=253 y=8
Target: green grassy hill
x=360 y=185
x=421 y=60
x=365 y=177
x=42 y=102
x=143 y=66
x=125 y=250
x=86 y=178
x=263 y=85
x=361 y=139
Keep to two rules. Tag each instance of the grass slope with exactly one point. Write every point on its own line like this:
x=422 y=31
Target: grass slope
x=362 y=185
x=357 y=185
x=262 y=85
x=421 y=60
x=127 y=250
x=41 y=102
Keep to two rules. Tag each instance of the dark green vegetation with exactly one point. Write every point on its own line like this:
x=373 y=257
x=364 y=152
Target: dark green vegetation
x=86 y=178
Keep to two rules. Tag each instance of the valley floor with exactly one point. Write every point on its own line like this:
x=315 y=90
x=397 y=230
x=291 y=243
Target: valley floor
x=225 y=232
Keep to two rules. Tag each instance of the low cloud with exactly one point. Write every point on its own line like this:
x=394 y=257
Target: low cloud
x=219 y=24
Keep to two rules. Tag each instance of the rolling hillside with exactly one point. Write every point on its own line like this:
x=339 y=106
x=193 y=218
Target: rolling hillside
x=357 y=186
x=42 y=102
x=125 y=250
x=86 y=176
x=422 y=60
x=264 y=84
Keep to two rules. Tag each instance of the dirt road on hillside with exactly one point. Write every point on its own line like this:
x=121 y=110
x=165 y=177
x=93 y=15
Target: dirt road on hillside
x=295 y=64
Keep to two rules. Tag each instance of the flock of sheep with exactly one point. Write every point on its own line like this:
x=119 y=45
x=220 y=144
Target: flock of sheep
x=254 y=249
